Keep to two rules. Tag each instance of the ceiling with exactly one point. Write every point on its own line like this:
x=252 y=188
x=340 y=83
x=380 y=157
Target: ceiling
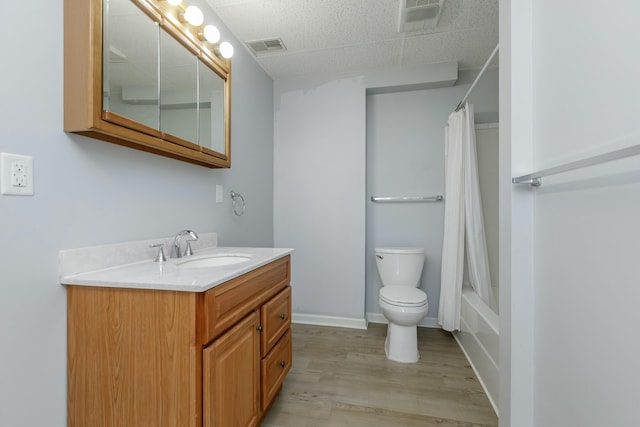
x=328 y=37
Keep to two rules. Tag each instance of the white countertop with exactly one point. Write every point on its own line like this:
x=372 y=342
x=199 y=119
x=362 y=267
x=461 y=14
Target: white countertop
x=168 y=276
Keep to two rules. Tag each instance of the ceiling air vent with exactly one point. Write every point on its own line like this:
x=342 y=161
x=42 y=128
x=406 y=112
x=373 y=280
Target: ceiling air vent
x=418 y=15
x=266 y=46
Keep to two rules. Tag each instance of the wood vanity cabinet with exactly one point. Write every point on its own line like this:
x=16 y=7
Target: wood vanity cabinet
x=139 y=357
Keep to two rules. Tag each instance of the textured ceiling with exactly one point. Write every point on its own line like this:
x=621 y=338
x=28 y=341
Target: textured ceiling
x=346 y=36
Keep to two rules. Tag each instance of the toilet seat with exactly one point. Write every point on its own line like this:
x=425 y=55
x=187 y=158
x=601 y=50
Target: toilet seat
x=404 y=296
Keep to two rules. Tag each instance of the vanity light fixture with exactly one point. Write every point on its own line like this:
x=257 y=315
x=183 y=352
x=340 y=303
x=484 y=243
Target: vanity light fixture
x=193 y=15
x=210 y=33
x=226 y=50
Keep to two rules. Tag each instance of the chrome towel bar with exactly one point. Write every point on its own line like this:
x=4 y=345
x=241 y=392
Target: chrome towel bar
x=406 y=199
x=535 y=179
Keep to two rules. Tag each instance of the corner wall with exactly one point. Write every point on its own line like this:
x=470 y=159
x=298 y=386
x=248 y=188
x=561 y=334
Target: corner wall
x=516 y=217
x=318 y=200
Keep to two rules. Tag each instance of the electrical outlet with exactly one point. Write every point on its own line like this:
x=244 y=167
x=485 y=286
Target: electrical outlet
x=16 y=174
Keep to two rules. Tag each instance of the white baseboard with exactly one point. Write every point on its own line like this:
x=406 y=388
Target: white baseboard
x=427 y=322
x=340 y=322
x=353 y=323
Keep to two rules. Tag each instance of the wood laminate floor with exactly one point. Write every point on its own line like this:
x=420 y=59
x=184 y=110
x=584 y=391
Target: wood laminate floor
x=341 y=377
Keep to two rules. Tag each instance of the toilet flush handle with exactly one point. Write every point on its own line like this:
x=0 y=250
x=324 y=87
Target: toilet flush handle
x=379 y=256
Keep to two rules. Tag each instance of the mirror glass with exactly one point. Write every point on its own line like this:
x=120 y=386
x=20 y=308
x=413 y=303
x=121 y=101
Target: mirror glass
x=130 y=63
x=212 y=114
x=151 y=78
x=178 y=89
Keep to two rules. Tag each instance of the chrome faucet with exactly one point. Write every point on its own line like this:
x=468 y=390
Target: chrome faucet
x=176 y=250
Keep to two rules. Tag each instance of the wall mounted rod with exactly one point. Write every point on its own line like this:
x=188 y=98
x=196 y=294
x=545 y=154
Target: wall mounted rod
x=535 y=179
x=406 y=199
x=473 y=85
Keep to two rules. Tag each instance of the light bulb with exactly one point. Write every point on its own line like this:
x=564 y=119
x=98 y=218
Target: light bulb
x=194 y=16
x=211 y=33
x=174 y=2
x=226 y=50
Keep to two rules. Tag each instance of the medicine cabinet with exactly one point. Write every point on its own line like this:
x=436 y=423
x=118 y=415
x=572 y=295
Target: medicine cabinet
x=136 y=74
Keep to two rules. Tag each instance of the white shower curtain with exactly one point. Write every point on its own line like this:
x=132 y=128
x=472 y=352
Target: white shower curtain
x=463 y=220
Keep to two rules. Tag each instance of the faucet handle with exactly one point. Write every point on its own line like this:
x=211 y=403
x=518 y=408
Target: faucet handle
x=160 y=257
x=188 y=251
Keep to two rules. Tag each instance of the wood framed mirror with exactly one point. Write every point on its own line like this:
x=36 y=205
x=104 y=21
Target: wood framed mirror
x=137 y=75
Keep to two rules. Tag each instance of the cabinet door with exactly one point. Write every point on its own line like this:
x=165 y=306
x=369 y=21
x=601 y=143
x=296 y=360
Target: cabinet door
x=231 y=375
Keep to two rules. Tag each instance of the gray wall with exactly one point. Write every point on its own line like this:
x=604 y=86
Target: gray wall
x=405 y=157
x=586 y=231
x=319 y=188
x=89 y=192
x=572 y=244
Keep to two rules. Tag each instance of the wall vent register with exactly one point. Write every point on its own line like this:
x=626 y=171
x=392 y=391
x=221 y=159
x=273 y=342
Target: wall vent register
x=266 y=46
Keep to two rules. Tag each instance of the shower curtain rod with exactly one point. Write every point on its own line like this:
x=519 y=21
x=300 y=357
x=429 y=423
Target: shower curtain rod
x=473 y=85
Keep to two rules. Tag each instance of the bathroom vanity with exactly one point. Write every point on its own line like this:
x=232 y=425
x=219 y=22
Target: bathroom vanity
x=187 y=347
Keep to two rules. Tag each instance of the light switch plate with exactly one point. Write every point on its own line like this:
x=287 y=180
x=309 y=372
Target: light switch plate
x=219 y=194
x=16 y=174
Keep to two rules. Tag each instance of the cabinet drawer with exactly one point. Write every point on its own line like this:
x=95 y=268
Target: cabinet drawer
x=226 y=304
x=274 y=368
x=275 y=318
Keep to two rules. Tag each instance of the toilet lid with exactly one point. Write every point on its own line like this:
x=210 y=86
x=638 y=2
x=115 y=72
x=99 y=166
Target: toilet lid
x=403 y=295
x=399 y=250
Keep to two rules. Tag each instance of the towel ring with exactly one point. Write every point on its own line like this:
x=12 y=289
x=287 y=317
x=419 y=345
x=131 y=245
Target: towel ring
x=234 y=196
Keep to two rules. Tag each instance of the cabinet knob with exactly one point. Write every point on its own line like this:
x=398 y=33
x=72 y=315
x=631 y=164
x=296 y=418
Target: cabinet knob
x=283 y=316
x=259 y=328
x=282 y=364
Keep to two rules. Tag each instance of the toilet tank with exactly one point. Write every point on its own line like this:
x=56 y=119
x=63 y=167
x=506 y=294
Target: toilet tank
x=400 y=266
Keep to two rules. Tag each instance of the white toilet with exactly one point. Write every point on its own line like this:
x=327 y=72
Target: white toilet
x=402 y=303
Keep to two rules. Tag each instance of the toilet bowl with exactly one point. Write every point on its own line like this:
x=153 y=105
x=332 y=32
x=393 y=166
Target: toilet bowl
x=401 y=302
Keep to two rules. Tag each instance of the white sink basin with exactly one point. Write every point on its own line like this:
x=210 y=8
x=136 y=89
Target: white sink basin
x=214 y=261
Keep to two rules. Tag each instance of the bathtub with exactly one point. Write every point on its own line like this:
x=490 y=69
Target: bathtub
x=479 y=340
